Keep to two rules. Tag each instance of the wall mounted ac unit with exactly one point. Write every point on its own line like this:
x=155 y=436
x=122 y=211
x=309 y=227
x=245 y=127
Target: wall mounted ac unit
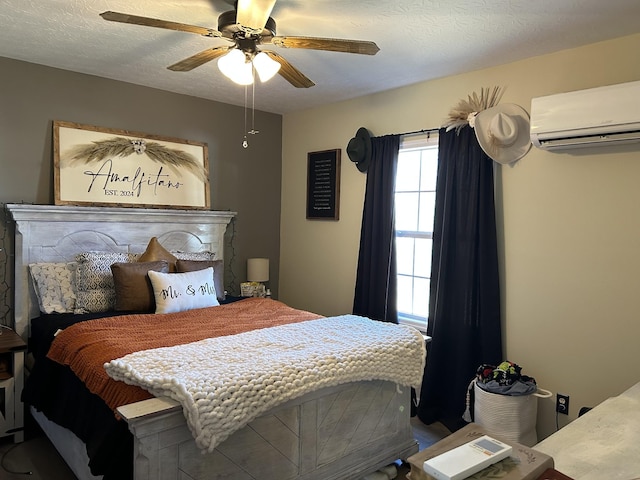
x=599 y=116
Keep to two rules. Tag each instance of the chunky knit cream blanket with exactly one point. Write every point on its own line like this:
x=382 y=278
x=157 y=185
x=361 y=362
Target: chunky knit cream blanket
x=224 y=383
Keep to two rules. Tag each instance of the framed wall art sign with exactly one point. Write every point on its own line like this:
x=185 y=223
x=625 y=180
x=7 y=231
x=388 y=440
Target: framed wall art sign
x=106 y=167
x=323 y=185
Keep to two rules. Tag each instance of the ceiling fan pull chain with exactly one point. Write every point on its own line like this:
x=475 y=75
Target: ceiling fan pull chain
x=245 y=143
x=253 y=130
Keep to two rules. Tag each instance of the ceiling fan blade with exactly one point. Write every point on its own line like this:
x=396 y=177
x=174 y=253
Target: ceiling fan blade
x=290 y=73
x=253 y=14
x=329 y=44
x=153 y=22
x=198 y=59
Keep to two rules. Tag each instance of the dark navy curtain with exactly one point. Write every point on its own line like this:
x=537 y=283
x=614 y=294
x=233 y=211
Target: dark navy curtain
x=375 y=291
x=464 y=306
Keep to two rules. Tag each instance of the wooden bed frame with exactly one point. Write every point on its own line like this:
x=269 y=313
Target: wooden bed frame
x=338 y=433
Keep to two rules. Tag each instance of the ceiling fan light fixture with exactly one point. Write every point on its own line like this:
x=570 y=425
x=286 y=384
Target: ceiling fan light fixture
x=248 y=25
x=265 y=66
x=237 y=67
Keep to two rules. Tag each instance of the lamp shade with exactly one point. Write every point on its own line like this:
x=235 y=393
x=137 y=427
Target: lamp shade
x=235 y=66
x=258 y=269
x=265 y=66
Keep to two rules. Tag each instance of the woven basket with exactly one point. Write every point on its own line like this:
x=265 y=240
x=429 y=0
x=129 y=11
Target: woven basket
x=512 y=418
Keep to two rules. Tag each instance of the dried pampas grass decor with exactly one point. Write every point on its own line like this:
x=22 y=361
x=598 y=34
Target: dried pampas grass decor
x=465 y=111
x=123 y=147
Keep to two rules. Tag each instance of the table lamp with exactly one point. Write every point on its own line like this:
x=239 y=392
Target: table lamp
x=258 y=273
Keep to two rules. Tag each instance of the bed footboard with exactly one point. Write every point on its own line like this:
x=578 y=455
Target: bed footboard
x=336 y=433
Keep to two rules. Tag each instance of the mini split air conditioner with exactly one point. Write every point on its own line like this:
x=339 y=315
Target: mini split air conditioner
x=599 y=116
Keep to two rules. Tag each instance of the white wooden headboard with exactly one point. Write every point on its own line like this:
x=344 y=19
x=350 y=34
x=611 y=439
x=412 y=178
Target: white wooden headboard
x=48 y=233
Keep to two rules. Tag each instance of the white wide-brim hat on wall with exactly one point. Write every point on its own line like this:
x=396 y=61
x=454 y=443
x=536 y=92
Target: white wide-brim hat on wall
x=503 y=132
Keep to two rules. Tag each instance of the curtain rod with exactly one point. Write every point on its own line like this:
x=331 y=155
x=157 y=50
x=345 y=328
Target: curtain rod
x=417 y=132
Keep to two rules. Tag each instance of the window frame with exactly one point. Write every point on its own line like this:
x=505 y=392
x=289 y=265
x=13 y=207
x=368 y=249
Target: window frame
x=422 y=141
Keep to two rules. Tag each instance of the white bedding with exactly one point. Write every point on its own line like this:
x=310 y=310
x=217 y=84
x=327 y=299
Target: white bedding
x=224 y=383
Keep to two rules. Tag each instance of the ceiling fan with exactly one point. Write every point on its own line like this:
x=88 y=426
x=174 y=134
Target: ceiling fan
x=248 y=27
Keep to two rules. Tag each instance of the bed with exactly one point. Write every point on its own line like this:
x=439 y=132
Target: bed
x=342 y=427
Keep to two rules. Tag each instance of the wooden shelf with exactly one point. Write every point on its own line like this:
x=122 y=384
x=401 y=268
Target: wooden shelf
x=10 y=341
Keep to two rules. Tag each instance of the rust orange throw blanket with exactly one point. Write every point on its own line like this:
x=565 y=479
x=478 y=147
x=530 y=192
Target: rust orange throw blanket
x=85 y=347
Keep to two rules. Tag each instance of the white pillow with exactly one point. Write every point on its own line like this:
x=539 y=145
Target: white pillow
x=54 y=286
x=176 y=292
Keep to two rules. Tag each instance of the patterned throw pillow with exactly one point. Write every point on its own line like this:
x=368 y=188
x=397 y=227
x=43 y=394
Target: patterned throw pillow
x=54 y=286
x=94 y=280
x=176 y=292
x=195 y=256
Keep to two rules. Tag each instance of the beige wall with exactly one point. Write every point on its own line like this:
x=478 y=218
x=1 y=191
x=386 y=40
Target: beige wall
x=243 y=180
x=568 y=224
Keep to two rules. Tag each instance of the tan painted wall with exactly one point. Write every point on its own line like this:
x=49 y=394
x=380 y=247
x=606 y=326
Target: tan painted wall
x=568 y=225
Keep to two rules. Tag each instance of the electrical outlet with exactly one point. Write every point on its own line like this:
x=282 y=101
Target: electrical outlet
x=562 y=403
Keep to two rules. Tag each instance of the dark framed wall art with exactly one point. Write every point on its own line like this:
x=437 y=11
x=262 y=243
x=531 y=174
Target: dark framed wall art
x=98 y=166
x=323 y=185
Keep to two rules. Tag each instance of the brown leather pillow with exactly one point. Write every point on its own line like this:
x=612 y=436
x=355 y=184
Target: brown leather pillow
x=155 y=252
x=183 y=266
x=134 y=292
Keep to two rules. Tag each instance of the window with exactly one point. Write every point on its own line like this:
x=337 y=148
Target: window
x=415 y=195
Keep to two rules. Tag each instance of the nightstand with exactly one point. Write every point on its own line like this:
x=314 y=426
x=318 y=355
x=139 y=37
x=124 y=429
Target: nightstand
x=12 y=350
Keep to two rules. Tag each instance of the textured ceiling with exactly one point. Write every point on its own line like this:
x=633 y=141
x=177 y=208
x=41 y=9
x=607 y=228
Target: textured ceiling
x=418 y=40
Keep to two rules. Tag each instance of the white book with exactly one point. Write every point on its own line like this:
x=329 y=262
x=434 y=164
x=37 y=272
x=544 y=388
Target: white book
x=463 y=461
